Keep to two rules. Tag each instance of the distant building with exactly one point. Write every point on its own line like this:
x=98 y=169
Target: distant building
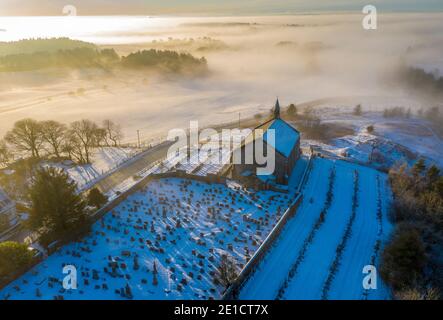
x=8 y=217
x=286 y=146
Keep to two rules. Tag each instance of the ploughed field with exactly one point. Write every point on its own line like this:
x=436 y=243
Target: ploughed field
x=340 y=227
x=163 y=242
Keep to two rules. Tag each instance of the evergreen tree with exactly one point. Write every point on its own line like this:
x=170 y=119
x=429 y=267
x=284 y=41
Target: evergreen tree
x=438 y=185
x=358 y=110
x=56 y=208
x=292 y=110
x=433 y=174
x=419 y=167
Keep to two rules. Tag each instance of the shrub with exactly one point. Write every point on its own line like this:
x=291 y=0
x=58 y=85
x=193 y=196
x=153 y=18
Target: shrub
x=96 y=198
x=415 y=294
x=14 y=258
x=403 y=258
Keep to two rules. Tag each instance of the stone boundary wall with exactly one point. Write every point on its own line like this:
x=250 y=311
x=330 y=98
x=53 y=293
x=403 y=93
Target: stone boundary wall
x=232 y=292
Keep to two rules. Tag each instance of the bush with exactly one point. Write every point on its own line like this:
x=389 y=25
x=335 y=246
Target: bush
x=14 y=258
x=415 y=294
x=96 y=198
x=403 y=259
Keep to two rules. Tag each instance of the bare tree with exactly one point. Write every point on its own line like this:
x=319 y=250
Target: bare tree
x=113 y=132
x=5 y=154
x=26 y=135
x=73 y=148
x=85 y=133
x=100 y=137
x=54 y=134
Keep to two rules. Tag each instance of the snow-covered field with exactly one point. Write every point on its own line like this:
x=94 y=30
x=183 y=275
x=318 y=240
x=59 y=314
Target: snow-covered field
x=393 y=140
x=103 y=160
x=300 y=263
x=182 y=226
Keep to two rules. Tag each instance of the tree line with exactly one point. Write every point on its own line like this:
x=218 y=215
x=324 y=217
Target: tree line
x=412 y=261
x=87 y=57
x=72 y=58
x=51 y=138
x=165 y=60
x=42 y=45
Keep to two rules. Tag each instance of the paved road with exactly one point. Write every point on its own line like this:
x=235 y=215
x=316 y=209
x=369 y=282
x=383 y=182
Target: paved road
x=129 y=170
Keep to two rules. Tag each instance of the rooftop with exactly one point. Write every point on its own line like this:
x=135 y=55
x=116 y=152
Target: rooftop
x=286 y=136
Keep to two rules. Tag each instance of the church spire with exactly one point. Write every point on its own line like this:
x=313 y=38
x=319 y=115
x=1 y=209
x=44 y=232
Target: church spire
x=277 y=110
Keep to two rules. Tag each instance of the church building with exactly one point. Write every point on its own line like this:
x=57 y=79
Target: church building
x=286 y=147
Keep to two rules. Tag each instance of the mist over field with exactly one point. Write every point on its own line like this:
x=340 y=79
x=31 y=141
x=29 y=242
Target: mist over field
x=251 y=60
x=96 y=176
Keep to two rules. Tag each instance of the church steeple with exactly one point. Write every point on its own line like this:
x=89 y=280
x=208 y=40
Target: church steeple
x=277 y=110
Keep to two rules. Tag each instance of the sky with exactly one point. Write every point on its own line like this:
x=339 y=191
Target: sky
x=208 y=7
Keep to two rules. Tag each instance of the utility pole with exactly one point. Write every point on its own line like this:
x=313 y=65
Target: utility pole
x=239 y=120
x=138 y=138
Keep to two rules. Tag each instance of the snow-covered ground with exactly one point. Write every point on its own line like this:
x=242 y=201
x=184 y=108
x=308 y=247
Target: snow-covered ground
x=315 y=251
x=182 y=225
x=393 y=139
x=103 y=160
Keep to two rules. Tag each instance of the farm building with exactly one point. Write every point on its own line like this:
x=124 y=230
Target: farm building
x=286 y=146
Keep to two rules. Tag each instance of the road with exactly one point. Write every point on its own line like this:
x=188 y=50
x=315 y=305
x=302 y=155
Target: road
x=131 y=169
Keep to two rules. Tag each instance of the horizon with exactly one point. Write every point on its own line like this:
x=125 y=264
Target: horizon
x=210 y=7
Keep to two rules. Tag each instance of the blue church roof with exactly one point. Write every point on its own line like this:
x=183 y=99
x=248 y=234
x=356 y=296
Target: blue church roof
x=286 y=136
